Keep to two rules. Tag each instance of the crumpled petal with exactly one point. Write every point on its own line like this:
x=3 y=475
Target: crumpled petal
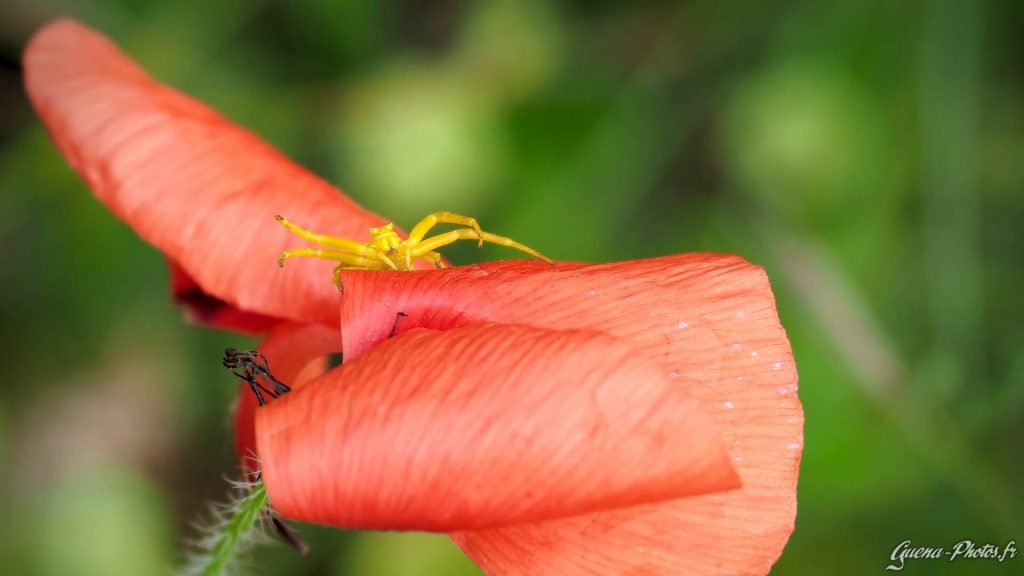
x=708 y=322
x=295 y=353
x=187 y=180
x=201 y=308
x=486 y=425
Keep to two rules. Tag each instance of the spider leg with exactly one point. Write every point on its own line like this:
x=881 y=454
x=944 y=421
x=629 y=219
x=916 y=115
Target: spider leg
x=431 y=244
x=423 y=226
x=361 y=266
x=503 y=241
x=332 y=241
x=351 y=260
x=384 y=258
x=337 y=277
x=435 y=242
x=434 y=257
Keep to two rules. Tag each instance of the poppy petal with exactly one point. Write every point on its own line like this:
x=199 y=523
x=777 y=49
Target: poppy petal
x=188 y=181
x=201 y=308
x=295 y=354
x=486 y=425
x=709 y=322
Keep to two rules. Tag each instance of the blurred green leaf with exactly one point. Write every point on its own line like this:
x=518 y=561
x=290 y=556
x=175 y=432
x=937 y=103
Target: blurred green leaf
x=406 y=554
x=108 y=521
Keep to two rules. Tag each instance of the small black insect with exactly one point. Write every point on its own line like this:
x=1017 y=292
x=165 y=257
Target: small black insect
x=252 y=367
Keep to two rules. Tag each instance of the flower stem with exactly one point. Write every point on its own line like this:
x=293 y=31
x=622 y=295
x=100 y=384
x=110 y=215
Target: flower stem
x=234 y=532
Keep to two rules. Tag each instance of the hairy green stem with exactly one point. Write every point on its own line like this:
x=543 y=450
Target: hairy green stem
x=234 y=532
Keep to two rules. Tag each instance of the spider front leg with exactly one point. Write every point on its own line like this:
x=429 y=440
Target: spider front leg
x=423 y=226
x=382 y=262
x=349 y=252
x=344 y=244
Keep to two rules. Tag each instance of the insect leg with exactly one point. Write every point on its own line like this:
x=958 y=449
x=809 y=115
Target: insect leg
x=394 y=327
x=285 y=532
x=262 y=367
x=255 y=384
x=255 y=387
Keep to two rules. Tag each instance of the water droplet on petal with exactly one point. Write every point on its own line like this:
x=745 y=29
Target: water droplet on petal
x=683 y=325
x=777 y=366
x=728 y=405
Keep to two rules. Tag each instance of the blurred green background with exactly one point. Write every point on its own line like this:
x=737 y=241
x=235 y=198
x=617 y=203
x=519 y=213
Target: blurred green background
x=869 y=154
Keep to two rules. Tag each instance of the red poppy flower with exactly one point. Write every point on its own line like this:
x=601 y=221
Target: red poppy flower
x=631 y=418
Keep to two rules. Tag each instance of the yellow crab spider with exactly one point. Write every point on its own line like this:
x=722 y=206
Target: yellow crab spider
x=387 y=251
